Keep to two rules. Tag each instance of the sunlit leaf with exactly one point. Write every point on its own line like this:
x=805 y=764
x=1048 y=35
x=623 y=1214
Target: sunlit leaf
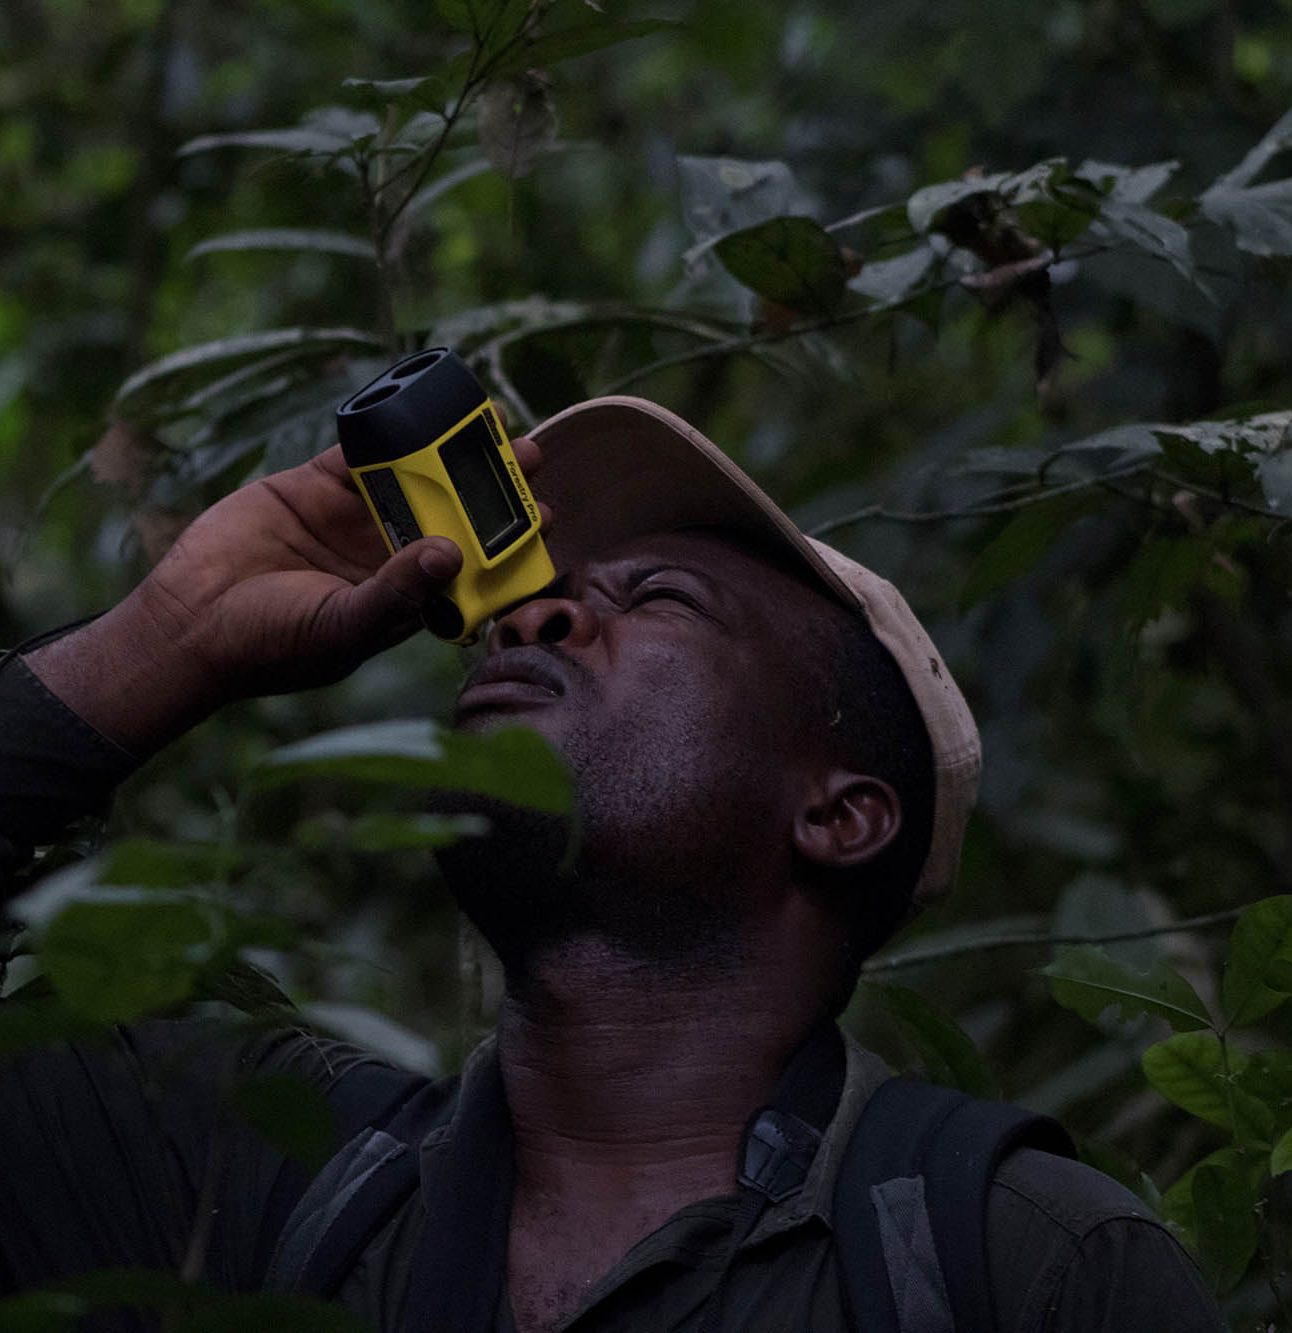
x=510 y=765
x=1262 y=934
x=1087 y=981
x=949 y=1056
x=1228 y=1228
x=792 y=261
x=287 y=238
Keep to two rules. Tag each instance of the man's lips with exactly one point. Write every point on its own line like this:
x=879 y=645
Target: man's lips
x=516 y=676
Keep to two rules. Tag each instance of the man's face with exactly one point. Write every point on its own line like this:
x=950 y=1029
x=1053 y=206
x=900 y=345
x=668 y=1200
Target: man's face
x=664 y=673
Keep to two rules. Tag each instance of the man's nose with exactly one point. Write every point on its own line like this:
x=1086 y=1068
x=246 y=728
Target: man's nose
x=563 y=620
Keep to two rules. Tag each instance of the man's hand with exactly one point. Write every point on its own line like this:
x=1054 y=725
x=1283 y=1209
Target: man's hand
x=283 y=585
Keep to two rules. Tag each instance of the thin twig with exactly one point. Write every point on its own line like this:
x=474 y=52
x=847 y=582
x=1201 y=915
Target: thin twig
x=1037 y=939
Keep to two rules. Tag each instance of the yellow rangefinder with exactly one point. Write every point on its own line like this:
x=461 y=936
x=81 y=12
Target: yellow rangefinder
x=429 y=454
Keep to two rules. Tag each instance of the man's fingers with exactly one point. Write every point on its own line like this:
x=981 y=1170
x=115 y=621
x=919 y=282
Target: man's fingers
x=545 y=515
x=396 y=594
x=528 y=454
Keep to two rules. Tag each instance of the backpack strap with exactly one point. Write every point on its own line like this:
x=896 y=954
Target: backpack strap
x=910 y=1205
x=312 y=1230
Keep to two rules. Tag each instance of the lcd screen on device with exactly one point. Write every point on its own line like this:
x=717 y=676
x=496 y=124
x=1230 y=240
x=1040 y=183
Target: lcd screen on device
x=479 y=476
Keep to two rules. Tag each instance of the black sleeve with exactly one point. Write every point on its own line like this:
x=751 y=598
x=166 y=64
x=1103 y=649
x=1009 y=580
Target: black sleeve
x=54 y=767
x=126 y=1154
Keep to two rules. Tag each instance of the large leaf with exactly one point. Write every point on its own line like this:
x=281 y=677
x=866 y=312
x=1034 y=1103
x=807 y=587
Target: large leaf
x=116 y=960
x=1087 y=981
x=1189 y=1069
x=287 y=238
x=1262 y=935
x=182 y=372
x=510 y=765
x=291 y=1114
x=1228 y=1226
x=151 y=863
x=580 y=40
x=949 y=1056
x=792 y=261
x=1019 y=547
x=1139 y=226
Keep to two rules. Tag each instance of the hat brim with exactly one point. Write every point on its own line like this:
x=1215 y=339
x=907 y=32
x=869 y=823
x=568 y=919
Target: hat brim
x=620 y=467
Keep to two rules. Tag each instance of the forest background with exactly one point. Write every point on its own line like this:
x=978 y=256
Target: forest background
x=994 y=296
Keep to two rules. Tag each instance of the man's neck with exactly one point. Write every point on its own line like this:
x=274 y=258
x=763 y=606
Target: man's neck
x=632 y=1082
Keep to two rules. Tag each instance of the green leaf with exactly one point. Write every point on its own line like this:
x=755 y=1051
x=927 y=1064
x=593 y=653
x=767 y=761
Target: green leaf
x=1228 y=1226
x=1188 y=1069
x=1122 y=1168
x=428 y=91
x=27 y=1024
x=269 y=1310
x=461 y=14
x=1281 y=1155
x=182 y=372
x=114 y=961
x=1019 y=546
x=287 y=238
x=1262 y=935
x=566 y=43
x=949 y=1056
x=1087 y=981
x=1215 y=454
x=291 y=1114
x=1177 y=1201
x=1267 y=1077
x=792 y=261
x=1164 y=572
x=509 y=765
x=42 y=1312
x=150 y=863
x=395 y=833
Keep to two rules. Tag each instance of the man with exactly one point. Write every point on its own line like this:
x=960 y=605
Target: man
x=773 y=768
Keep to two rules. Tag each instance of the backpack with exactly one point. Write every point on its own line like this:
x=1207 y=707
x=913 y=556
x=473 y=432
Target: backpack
x=910 y=1200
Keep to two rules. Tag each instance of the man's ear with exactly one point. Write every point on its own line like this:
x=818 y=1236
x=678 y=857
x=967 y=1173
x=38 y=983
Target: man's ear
x=848 y=820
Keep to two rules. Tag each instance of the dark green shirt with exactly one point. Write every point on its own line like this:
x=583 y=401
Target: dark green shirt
x=113 y=1155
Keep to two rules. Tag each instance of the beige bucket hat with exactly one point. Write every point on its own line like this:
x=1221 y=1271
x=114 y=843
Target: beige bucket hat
x=650 y=471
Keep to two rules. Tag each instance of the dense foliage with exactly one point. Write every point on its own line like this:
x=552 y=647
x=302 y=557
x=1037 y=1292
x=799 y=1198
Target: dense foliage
x=994 y=297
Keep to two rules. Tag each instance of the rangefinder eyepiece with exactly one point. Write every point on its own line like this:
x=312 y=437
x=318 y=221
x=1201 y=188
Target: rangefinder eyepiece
x=430 y=457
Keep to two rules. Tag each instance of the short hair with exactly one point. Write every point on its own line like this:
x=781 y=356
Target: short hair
x=861 y=703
